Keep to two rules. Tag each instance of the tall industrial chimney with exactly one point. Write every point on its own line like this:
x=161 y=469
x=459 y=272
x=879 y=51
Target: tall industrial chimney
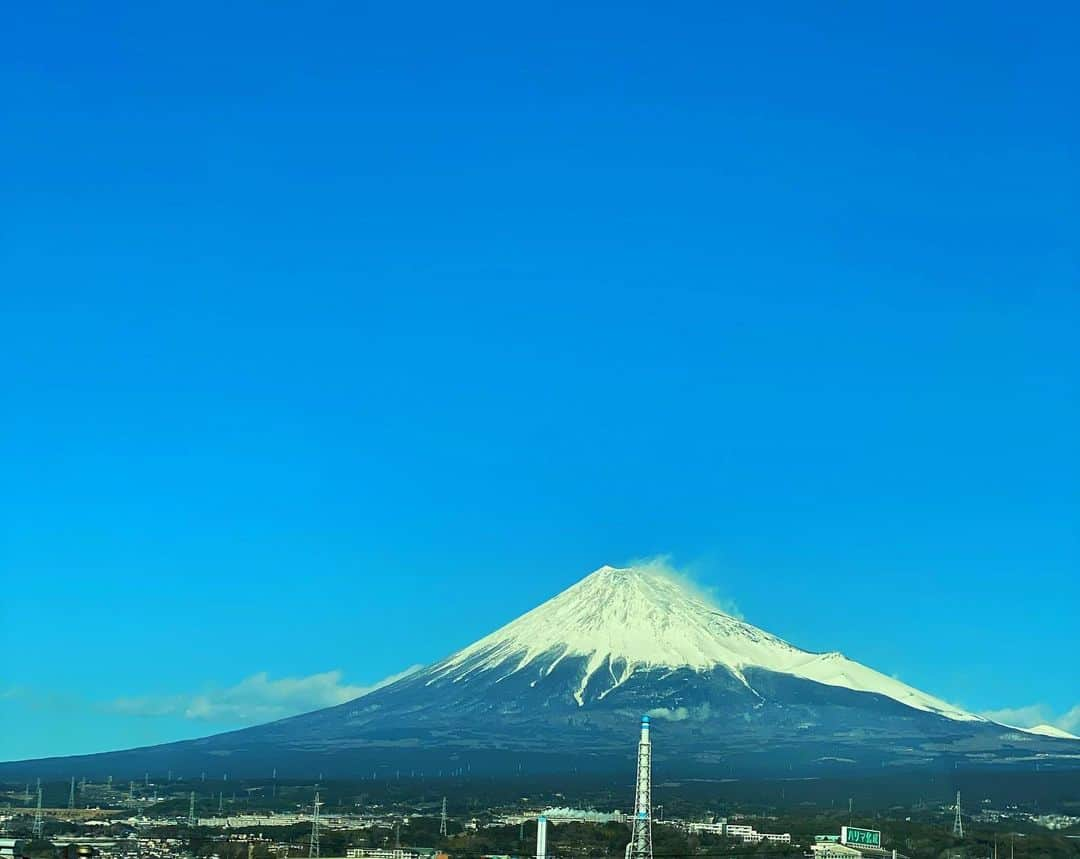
x=541 y=837
x=640 y=846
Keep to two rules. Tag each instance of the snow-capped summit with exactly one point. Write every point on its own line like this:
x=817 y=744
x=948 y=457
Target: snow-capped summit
x=622 y=620
x=562 y=688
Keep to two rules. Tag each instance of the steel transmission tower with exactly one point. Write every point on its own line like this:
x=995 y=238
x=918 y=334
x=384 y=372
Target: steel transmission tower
x=958 y=824
x=313 y=847
x=191 y=820
x=640 y=846
x=38 y=831
x=442 y=819
x=71 y=794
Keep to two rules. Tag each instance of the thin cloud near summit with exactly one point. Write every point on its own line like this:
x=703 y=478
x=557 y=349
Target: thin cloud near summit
x=1035 y=715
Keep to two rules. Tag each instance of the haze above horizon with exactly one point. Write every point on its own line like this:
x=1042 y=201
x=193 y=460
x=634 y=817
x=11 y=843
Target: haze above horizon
x=337 y=338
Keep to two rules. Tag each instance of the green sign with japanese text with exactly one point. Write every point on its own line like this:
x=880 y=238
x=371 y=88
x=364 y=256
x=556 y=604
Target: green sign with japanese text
x=864 y=837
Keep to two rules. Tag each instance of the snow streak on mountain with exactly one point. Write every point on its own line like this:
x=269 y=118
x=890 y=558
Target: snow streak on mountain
x=623 y=620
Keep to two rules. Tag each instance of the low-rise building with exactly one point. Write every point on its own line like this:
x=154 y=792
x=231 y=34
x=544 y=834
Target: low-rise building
x=12 y=848
x=833 y=850
x=581 y=815
x=740 y=831
x=714 y=828
x=749 y=835
x=391 y=853
x=774 y=837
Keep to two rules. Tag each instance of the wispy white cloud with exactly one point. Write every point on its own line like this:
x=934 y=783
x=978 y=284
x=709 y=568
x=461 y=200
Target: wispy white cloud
x=1034 y=715
x=688 y=577
x=255 y=699
x=681 y=714
x=36 y=699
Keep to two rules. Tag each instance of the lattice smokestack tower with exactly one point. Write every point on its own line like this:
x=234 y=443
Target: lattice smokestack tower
x=640 y=846
x=38 y=832
x=313 y=847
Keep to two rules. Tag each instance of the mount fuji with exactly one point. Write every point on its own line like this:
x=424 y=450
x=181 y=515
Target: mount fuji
x=561 y=688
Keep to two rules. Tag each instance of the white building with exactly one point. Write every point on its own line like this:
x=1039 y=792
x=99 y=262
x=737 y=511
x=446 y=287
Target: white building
x=389 y=853
x=581 y=815
x=11 y=847
x=739 y=831
x=716 y=828
x=749 y=835
x=833 y=850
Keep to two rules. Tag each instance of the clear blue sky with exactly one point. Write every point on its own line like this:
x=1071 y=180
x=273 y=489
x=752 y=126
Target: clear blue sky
x=334 y=337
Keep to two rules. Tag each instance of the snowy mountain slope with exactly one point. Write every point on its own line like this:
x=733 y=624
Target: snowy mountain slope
x=1047 y=731
x=624 y=620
